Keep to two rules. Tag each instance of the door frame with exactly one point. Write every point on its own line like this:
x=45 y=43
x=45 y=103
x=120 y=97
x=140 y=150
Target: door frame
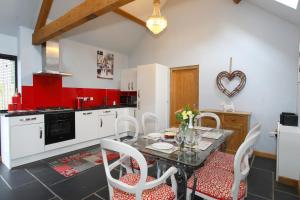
x=172 y=69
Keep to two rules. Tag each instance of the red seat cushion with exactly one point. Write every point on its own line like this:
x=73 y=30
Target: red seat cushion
x=221 y=160
x=161 y=192
x=135 y=164
x=216 y=183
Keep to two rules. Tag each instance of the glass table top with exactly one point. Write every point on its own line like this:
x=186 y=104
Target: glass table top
x=194 y=159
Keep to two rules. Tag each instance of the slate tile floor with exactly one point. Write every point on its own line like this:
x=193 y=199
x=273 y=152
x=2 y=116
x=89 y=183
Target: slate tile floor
x=37 y=181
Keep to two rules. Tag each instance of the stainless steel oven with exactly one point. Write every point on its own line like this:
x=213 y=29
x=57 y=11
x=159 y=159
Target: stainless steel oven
x=59 y=126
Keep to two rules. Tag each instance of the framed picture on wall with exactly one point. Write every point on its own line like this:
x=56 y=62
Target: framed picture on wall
x=105 y=65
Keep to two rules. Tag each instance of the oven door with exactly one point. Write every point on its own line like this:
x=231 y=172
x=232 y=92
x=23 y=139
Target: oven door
x=59 y=127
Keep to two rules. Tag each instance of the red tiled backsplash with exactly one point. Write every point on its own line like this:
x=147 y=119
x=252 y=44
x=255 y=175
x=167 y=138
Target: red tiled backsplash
x=48 y=92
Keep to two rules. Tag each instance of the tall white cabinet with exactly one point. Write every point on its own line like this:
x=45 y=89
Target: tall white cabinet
x=153 y=82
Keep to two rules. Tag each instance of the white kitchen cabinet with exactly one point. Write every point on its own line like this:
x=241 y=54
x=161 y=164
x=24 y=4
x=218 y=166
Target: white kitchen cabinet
x=21 y=137
x=86 y=125
x=27 y=140
x=107 y=122
x=153 y=82
x=129 y=80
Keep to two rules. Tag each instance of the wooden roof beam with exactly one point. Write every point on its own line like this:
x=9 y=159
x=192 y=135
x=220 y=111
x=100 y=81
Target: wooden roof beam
x=82 y=13
x=129 y=16
x=44 y=13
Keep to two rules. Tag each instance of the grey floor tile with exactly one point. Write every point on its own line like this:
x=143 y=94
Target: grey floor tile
x=17 y=177
x=284 y=196
x=254 y=197
x=104 y=193
x=260 y=182
x=81 y=185
x=263 y=163
x=93 y=197
x=32 y=191
x=45 y=173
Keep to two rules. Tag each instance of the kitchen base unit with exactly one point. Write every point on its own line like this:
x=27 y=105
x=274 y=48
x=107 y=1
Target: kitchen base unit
x=23 y=137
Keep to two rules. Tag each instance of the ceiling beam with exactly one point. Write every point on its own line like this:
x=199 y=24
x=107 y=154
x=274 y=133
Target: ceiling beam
x=82 y=13
x=237 y=1
x=129 y=16
x=44 y=13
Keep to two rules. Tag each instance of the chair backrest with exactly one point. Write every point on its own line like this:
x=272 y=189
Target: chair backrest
x=241 y=162
x=199 y=117
x=256 y=127
x=150 y=122
x=126 y=151
x=126 y=118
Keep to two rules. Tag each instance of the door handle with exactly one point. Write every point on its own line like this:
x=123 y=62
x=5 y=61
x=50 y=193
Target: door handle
x=116 y=114
x=41 y=132
x=101 y=123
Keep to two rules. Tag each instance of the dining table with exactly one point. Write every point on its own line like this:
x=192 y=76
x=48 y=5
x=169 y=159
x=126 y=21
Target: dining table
x=186 y=160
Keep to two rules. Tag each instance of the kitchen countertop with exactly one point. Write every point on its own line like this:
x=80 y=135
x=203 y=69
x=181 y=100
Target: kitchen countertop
x=36 y=112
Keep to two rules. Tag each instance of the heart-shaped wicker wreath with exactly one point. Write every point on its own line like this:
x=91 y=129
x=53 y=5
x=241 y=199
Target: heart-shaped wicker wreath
x=230 y=77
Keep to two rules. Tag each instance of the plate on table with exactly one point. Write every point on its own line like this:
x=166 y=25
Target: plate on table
x=202 y=128
x=154 y=135
x=162 y=146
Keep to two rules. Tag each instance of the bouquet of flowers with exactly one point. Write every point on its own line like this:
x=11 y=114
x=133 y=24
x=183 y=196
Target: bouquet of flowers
x=183 y=115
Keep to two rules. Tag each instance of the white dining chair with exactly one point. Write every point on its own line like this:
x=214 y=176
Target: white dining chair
x=199 y=117
x=225 y=160
x=136 y=186
x=126 y=119
x=150 y=122
x=217 y=183
x=129 y=164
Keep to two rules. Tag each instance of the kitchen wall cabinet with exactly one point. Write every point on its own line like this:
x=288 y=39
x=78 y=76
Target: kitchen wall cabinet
x=239 y=122
x=107 y=120
x=129 y=80
x=86 y=125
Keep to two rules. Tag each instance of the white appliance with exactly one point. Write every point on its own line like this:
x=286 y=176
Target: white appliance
x=153 y=91
x=288 y=152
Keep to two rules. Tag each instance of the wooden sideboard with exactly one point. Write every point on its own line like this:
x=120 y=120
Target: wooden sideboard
x=239 y=122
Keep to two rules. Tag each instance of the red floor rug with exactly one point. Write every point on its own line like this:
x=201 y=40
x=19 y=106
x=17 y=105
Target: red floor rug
x=70 y=165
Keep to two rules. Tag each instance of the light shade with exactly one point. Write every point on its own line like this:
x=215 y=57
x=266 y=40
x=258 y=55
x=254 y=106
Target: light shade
x=156 y=23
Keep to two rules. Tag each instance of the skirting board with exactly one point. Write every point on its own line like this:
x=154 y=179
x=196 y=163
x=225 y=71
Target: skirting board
x=289 y=182
x=265 y=155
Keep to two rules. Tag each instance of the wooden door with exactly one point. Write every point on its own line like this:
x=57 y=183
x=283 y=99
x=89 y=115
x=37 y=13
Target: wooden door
x=184 y=90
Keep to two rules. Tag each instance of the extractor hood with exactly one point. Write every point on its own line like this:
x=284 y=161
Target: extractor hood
x=51 y=60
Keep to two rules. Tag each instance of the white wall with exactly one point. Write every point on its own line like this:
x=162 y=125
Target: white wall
x=81 y=61
x=208 y=33
x=77 y=58
x=8 y=45
x=29 y=56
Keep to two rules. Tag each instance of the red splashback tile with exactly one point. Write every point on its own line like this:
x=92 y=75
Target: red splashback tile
x=48 y=92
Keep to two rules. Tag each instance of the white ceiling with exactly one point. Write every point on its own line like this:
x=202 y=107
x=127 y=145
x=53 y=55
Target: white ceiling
x=109 y=31
x=282 y=11
x=14 y=13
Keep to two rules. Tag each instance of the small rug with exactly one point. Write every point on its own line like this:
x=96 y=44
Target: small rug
x=71 y=165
